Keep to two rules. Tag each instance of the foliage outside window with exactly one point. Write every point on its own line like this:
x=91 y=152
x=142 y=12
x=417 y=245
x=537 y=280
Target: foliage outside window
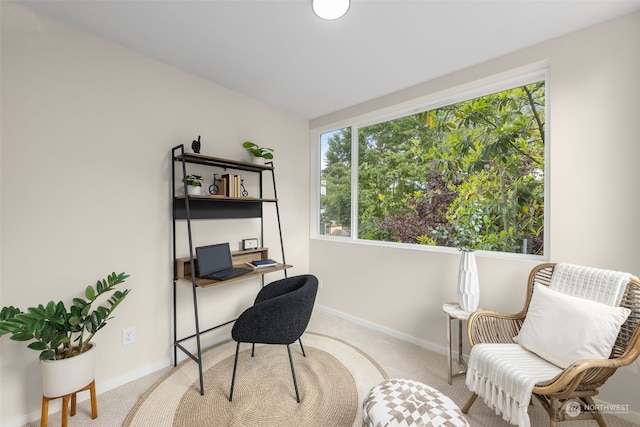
x=335 y=183
x=468 y=175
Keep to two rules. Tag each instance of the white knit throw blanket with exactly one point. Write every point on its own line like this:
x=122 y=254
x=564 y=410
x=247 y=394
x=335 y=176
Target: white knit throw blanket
x=504 y=376
x=604 y=286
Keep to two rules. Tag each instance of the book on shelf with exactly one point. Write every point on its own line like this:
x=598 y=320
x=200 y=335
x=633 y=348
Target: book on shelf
x=261 y=263
x=227 y=179
x=222 y=187
x=231 y=185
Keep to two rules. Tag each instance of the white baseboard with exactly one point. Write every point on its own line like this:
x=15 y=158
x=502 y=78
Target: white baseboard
x=104 y=386
x=387 y=331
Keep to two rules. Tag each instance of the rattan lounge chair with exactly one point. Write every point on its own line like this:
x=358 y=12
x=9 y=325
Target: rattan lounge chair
x=579 y=382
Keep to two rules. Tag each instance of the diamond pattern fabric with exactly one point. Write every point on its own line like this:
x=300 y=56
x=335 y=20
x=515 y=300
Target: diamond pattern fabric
x=404 y=403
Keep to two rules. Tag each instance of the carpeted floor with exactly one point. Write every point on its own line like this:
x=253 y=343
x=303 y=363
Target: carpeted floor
x=397 y=358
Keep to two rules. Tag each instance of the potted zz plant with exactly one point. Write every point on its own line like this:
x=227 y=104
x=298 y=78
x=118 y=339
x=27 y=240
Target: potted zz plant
x=258 y=154
x=63 y=336
x=193 y=184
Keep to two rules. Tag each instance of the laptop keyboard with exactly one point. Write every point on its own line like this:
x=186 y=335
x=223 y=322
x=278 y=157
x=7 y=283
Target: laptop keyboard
x=227 y=274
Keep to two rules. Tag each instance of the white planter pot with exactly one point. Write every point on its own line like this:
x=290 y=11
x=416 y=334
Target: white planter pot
x=65 y=376
x=257 y=160
x=194 y=191
x=468 y=286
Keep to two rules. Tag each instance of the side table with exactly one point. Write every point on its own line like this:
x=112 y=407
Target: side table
x=453 y=311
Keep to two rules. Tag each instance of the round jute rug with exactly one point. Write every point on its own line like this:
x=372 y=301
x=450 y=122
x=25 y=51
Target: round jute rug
x=333 y=380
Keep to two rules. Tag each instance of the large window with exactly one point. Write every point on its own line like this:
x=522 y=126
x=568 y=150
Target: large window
x=469 y=175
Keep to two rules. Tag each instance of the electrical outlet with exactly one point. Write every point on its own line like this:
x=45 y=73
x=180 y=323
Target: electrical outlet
x=128 y=336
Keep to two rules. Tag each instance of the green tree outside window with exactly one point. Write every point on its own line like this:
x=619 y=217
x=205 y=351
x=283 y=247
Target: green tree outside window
x=424 y=177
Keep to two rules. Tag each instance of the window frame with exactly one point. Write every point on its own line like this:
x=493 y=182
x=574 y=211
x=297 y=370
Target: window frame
x=475 y=89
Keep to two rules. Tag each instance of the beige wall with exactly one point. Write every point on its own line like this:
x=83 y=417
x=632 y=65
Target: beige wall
x=593 y=200
x=86 y=131
x=75 y=108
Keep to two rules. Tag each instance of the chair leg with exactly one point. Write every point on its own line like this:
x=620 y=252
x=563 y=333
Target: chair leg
x=293 y=372
x=233 y=377
x=253 y=348
x=467 y=406
x=302 y=347
x=595 y=413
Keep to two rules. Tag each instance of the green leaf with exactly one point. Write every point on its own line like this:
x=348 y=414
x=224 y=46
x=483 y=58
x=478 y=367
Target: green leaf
x=22 y=336
x=85 y=310
x=90 y=293
x=8 y=312
x=47 y=355
x=37 y=311
x=60 y=308
x=104 y=286
x=50 y=309
x=46 y=334
x=79 y=303
x=37 y=346
x=95 y=318
x=103 y=311
x=59 y=339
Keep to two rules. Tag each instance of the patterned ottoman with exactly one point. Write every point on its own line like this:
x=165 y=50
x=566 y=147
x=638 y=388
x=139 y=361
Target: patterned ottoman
x=400 y=402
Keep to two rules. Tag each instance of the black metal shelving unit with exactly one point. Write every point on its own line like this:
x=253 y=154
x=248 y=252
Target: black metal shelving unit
x=188 y=208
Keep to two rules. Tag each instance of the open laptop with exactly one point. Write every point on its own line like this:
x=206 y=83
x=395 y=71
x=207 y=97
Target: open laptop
x=214 y=262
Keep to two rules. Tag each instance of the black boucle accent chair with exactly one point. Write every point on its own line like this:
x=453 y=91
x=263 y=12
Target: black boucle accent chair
x=279 y=315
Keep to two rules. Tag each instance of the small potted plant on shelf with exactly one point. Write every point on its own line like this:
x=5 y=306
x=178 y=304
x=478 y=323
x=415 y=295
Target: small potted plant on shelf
x=63 y=336
x=258 y=154
x=193 y=184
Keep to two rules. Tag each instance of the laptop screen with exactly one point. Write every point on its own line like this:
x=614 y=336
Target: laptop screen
x=213 y=258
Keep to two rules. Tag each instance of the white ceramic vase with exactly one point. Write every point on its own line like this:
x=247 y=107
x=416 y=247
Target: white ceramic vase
x=194 y=191
x=468 y=285
x=65 y=376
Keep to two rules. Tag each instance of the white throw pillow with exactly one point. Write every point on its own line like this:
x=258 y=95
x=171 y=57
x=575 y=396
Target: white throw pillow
x=564 y=329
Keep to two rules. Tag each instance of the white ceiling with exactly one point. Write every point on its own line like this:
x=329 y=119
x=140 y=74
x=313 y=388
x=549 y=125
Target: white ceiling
x=281 y=53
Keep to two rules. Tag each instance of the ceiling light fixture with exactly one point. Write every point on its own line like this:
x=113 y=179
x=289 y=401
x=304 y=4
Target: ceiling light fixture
x=330 y=9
